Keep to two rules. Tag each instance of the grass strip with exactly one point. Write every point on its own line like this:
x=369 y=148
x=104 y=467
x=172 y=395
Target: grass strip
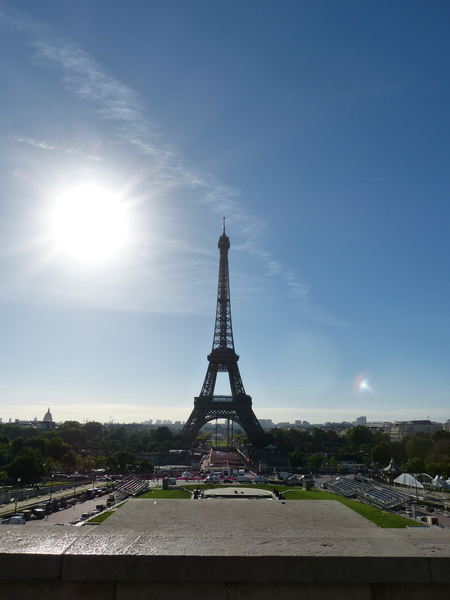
x=102 y=517
x=385 y=520
x=165 y=494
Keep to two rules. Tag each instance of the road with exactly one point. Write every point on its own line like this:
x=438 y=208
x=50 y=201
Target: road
x=66 y=515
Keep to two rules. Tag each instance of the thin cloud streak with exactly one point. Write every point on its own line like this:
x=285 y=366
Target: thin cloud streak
x=43 y=145
x=116 y=102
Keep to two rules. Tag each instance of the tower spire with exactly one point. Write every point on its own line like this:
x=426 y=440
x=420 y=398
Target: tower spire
x=207 y=406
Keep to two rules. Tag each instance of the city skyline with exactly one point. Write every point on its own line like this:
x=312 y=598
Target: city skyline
x=319 y=130
x=266 y=423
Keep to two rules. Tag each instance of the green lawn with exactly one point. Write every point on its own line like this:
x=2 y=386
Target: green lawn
x=159 y=493
x=102 y=517
x=375 y=515
x=371 y=513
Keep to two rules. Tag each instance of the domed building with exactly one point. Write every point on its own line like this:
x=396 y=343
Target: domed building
x=48 y=417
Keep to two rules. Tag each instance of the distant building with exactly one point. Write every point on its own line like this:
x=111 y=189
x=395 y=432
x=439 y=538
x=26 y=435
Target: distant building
x=48 y=417
x=379 y=426
x=361 y=421
x=399 y=430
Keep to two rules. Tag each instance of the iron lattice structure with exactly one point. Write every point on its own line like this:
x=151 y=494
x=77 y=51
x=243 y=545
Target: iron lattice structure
x=207 y=406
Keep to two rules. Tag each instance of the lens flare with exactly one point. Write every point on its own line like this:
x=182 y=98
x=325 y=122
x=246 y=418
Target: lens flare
x=361 y=385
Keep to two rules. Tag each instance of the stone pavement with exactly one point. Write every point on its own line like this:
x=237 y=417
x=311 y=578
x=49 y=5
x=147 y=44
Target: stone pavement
x=225 y=549
x=229 y=527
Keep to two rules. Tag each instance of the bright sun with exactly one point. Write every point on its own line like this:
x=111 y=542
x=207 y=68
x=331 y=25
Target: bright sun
x=89 y=223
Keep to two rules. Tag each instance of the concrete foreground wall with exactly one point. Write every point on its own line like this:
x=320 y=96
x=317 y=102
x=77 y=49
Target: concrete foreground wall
x=121 y=577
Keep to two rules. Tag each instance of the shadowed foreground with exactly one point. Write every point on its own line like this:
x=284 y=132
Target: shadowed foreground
x=252 y=549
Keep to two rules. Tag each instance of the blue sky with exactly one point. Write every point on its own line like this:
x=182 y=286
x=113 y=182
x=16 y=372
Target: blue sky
x=319 y=129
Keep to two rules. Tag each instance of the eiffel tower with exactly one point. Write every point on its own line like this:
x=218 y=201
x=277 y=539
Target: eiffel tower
x=207 y=406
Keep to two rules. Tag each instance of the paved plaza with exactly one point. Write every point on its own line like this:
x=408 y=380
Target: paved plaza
x=229 y=527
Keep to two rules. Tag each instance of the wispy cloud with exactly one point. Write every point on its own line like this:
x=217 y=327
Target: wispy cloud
x=118 y=103
x=43 y=145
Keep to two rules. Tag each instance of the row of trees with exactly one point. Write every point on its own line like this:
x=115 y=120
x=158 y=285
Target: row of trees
x=422 y=452
x=31 y=454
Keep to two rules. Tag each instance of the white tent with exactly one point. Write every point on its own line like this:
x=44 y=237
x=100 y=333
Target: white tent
x=392 y=468
x=440 y=483
x=407 y=479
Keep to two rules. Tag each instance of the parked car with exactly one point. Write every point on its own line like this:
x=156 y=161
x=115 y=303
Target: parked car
x=15 y=520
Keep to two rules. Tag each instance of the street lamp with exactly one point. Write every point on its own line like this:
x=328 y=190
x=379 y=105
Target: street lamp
x=17 y=494
x=51 y=487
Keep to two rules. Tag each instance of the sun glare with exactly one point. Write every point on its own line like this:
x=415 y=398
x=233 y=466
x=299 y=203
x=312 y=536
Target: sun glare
x=89 y=223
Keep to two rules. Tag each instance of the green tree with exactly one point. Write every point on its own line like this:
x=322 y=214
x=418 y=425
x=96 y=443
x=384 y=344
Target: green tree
x=39 y=443
x=418 y=445
x=359 y=435
x=57 y=449
x=415 y=465
x=315 y=462
x=398 y=453
x=122 y=461
x=295 y=459
x=4 y=440
x=439 y=452
x=162 y=434
x=114 y=439
x=319 y=439
x=262 y=440
x=439 y=435
x=85 y=464
x=93 y=429
x=381 y=454
x=334 y=465
x=17 y=445
x=75 y=437
x=366 y=451
x=132 y=442
x=145 y=466
x=28 y=465
x=437 y=468
x=283 y=440
x=15 y=431
x=69 y=460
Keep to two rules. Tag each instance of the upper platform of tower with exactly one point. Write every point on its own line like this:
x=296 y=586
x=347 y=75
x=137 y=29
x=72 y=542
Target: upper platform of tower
x=224 y=240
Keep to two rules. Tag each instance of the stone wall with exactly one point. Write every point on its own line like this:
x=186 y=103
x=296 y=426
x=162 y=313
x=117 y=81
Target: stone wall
x=113 y=577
